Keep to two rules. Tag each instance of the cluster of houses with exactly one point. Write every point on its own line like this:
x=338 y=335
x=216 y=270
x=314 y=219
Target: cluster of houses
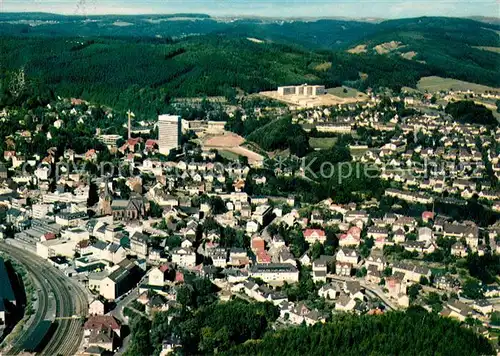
x=146 y=231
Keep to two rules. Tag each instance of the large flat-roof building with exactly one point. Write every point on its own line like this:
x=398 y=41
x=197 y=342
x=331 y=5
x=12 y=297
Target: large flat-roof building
x=302 y=90
x=169 y=133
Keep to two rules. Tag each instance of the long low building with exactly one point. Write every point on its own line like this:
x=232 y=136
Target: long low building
x=411 y=197
x=302 y=90
x=275 y=272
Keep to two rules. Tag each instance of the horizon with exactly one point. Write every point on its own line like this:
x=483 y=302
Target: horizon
x=283 y=9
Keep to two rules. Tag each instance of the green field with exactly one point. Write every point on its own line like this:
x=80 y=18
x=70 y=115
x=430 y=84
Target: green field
x=231 y=156
x=322 y=142
x=433 y=84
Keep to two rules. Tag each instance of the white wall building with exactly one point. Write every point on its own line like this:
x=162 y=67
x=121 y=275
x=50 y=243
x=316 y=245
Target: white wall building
x=169 y=133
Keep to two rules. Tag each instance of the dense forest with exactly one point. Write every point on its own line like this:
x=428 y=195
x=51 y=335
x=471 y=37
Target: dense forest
x=241 y=328
x=282 y=134
x=414 y=332
x=467 y=111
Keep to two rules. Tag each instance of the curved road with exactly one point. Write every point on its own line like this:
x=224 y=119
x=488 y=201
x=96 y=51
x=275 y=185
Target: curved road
x=69 y=299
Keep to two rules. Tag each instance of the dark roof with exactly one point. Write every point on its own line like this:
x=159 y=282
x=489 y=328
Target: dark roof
x=100 y=245
x=119 y=275
x=6 y=291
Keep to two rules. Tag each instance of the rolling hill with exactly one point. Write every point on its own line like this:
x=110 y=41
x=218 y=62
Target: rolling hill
x=141 y=62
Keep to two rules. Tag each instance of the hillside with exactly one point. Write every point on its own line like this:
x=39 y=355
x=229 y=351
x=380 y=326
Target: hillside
x=141 y=62
x=144 y=74
x=441 y=44
x=414 y=332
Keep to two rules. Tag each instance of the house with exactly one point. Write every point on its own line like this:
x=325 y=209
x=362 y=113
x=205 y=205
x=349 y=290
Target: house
x=411 y=272
x=305 y=260
x=399 y=236
x=97 y=307
x=313 y=235
x=330 y=291
x=320 y=267
x=459 y=250
x=425 y=234
x=345 y=303
x=139 y=244
x=351 y=238
x=483 y=306
x=121 y=280
x=373 y=275
x=468 y=230
x=218 y=256
x=102 y=331
x=446 y=282
x=456 y=309
x=257 y=244
x=376 y=259
x=396 y=285
x=377 y=232
x=348 y=255
x=353 y=215
x=158 y=276
x=344 y=268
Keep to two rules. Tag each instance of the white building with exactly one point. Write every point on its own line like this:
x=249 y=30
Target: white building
x=184 y=257
x=275 y=272
x=53 y=248
x=169 y=133
x=302 y=90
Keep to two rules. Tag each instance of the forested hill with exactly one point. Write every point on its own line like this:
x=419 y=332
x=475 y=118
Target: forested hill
x=144 y=74
x=414 y=332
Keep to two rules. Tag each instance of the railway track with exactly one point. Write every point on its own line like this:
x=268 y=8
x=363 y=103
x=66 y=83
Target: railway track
x=69 y=300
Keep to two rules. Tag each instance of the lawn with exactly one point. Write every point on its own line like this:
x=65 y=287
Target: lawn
x=346 y=92
x=231 y=156
x=322 y=143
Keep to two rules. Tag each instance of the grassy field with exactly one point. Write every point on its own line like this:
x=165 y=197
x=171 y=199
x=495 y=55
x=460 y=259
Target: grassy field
x=357 y=152
x=346 y=92
x=229 y=155
x=433 y=84
x=322 y=142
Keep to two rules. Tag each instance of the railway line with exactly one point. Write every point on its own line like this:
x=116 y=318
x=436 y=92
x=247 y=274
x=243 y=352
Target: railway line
x=69 y=300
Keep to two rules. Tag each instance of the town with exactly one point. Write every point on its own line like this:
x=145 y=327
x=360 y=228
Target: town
x=150 y=217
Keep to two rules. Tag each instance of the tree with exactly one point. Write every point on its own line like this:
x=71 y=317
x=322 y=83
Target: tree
x=316 y=250
x=413 y=292
x=424 y=281
x=155 y=210
x=140 y=343
x=472 y=289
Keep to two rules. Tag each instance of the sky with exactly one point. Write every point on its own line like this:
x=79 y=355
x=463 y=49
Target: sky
x=269 y=8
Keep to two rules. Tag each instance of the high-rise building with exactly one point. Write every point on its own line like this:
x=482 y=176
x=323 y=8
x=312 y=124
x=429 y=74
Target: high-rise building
x=169 y=133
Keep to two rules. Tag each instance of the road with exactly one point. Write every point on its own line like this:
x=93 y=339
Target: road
x=69 y=299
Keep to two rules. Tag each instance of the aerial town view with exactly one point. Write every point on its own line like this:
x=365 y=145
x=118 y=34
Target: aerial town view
x=249 y=178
